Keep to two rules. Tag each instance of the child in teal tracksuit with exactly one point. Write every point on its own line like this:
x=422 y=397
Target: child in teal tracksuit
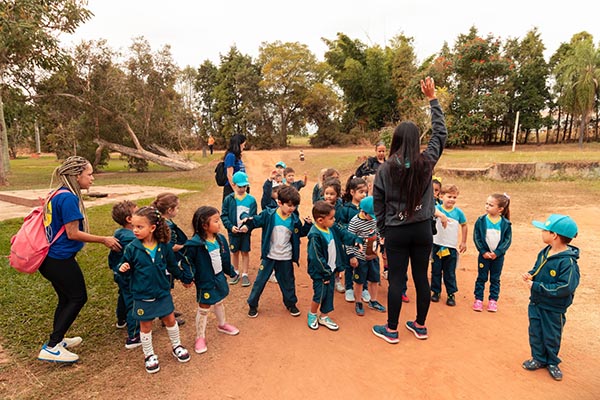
x=280 y=248
x=552 y=282
x=325 y=253
x=121 y=214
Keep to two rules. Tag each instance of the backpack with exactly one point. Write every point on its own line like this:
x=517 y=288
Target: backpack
x=30 y=245
x=220 y=174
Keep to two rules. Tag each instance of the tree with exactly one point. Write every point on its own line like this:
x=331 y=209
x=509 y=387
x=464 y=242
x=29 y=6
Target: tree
x=579 y=72
x=29 y=41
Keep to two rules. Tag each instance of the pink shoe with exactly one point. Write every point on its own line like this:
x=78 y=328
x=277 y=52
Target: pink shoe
x=405 y=298
x=228 y=329
x=200 y=345
x=478 y=305
x=492 y=306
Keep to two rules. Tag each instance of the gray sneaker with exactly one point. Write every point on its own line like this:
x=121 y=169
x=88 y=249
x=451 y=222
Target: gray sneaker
x=245 y=281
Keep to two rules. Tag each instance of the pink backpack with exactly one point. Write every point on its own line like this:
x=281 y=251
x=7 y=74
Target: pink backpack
x=30 y=246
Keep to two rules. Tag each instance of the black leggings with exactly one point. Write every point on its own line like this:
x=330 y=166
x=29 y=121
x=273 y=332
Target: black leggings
x=403 y=244
x=67 y=279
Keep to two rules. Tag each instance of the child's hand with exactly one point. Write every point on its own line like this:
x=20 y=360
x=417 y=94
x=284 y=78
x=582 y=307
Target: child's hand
x=462 y=247
x=359 y=245
x=243 y=229
x=493 y=255
x=273 y=174
x=124 y=267
x=235 y=229
x=353 y=262
x=526 y=276
x=444 y=221
x=177 y=247
x=308 y=220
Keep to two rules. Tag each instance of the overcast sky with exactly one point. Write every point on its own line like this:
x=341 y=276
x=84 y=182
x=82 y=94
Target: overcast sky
x=200 y=30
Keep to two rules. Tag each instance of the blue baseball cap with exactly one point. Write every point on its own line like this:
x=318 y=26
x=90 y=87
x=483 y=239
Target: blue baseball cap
x=366 y=205
x=240 y=179
x=560 y=224
x=281 y=164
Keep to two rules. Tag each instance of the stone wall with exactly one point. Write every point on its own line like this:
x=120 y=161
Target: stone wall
x=518 y=171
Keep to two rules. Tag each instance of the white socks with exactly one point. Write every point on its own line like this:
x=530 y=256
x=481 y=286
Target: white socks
x=146 y=339
x=220 y=313
x=173 y=332
x=201 y=320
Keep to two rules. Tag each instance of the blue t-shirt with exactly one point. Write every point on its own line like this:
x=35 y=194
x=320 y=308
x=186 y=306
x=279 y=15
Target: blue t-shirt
x=62 y=209
x=232 y=161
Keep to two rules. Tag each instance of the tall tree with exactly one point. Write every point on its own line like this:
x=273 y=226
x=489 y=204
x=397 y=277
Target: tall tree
x=29 y=41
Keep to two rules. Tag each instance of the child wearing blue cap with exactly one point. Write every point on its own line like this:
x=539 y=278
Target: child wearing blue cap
x=365 y=267
x=237 y=207
x=552 y=282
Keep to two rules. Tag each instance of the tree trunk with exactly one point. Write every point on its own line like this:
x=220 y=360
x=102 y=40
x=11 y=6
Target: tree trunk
x=4 y=158
x=148 y=156
x=36 y=130
x=583 y=128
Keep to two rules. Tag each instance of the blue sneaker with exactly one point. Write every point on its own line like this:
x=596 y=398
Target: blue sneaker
x=387 y=335
x=358 y=307
x=312 y=321
x=377 y=306
x=420 y=333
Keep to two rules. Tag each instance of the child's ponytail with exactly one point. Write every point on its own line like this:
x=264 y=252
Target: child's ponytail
x=504 y=202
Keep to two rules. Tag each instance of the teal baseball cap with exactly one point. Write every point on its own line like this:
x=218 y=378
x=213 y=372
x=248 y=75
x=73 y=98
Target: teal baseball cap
x=560 y=224
x=240 y=179
x=281 y=164
x=366 y=205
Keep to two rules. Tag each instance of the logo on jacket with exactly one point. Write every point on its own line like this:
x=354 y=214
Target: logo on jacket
x=206 y=295
x=140 y=311
x=552 y=272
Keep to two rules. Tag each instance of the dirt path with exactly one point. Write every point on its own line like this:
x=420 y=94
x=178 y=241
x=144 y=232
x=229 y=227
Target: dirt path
x=468 y=355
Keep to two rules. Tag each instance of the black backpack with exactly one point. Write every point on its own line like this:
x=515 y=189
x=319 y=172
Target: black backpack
x=220 y=174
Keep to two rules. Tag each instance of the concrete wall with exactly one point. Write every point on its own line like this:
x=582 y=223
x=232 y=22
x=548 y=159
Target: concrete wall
x=518 y=171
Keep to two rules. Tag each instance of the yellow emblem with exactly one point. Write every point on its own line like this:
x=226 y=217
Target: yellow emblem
x=552 y=272
x=261 y=267
x=296 y=230
x=206 y=295
x=231 y=246
x=356 y=276
x=480 y=265
x=140 y=311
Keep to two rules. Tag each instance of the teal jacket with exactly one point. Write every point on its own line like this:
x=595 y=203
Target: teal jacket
x=177 y=235
x=149 y=279
x=197 y=260
x=555 y=279
x=266 y=221
x=345 y=213
x=505 y=236
x=124 y=236
x=229 y=212
x=318 y=255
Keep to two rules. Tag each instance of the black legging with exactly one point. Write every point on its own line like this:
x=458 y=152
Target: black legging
x=67 y=279
x=403 y=243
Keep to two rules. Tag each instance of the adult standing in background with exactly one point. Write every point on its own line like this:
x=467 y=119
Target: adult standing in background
x=60 y=266
x=372 y=164
x=233 y=161
x=211 y=143
x=404 y=206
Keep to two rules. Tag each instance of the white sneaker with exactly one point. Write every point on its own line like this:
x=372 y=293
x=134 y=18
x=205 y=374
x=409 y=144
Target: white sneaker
x=272 y=278
x=366 y=296
x=57 y=354
x=349 y=296
x=339 y=286
x=71 y=342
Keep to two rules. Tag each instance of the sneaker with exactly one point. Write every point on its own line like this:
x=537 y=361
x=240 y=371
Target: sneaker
x=57 y=354
x=385 y=274
x=132 y=343
x=533 y=364
x=339 y=287
x=478 y=305
x=152 y=365
x=365 y=296
x=245 y=281
x=272 y=278
x=253 y=312
x=349 y=296
x=326 y=321
x=387 y=335
x=555 y=372
x=492 y=306
x=234 y=280
x=313 y=321
x=294 y=312
x=435 y=297
x=181 y=354
x=420 y=333
x=451 y=301
x=358 y=307
x=377 y=306
x=200 y=345
x=71 y=342
x=405 y=298
x=228 y=329
x=177 y=314
x=121 y=323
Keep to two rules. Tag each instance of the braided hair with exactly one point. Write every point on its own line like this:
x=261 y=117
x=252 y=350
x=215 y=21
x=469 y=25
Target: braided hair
x=66 y=175
x=162 y=233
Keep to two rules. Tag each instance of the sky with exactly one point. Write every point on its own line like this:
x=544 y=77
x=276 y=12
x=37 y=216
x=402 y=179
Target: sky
x=200 y=30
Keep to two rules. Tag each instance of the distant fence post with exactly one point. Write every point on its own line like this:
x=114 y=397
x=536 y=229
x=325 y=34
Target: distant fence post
x=515 y=132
